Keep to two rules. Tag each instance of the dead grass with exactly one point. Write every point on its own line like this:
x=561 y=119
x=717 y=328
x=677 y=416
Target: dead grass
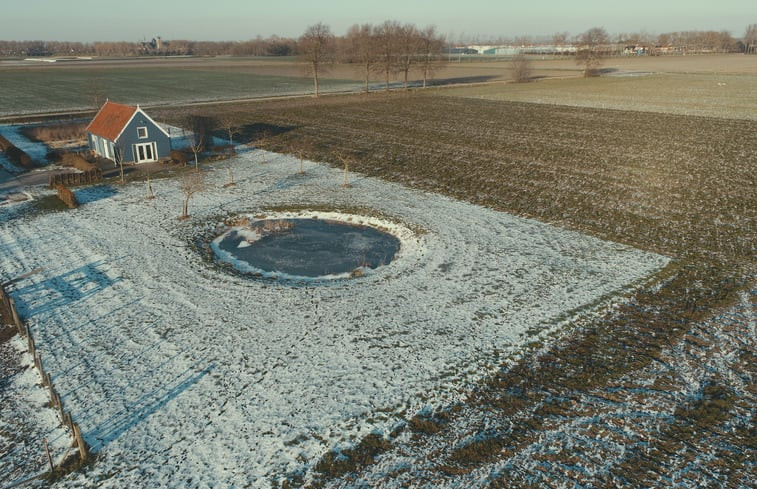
x=339 y=463
x=55 y=133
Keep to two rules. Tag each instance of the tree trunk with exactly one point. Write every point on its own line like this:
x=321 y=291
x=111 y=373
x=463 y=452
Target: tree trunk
x=185 y=207
x=315 y=78
x=367 y=76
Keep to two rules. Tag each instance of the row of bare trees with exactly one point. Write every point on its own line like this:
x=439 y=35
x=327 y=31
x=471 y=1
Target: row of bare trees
x=686 y=41
x=389 y=49
x=271 y=46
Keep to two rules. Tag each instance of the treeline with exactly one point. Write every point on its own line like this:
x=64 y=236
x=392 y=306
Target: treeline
x=272 y=46
x=687 y=41
x=680 y=42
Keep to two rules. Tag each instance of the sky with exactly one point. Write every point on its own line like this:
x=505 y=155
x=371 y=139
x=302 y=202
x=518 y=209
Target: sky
x=239 y=20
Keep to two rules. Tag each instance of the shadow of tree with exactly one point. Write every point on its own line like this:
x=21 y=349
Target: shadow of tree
x=63 y=289
x=462 y=79
x=250 y=133
x=85 y=195
x=140 y=409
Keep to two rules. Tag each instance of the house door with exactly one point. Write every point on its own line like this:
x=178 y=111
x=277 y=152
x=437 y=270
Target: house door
x=145 y=152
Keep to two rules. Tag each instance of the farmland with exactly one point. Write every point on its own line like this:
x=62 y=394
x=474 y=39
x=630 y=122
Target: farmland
x=679 y=185
x=654 y=390
x=729 y=95
x=74 y=86
x=29 y=88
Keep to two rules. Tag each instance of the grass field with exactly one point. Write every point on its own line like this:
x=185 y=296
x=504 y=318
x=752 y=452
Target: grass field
x=35 y=89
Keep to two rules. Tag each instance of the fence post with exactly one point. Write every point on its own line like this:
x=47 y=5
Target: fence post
x=41 y=368
x=53 y=396
x=83 y=451
x=5 y=297
x=61 y=412
x=47 y=452
x=16 y=319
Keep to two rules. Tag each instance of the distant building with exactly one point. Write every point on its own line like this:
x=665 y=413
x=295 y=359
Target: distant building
x=124 y=130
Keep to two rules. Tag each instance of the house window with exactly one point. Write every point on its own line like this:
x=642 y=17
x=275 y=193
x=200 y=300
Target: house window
x=142 y=132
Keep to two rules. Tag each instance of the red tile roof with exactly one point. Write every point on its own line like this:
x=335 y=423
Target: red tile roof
x=111 y=119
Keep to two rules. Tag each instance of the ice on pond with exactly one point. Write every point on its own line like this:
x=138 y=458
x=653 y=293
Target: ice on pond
x=305 y=248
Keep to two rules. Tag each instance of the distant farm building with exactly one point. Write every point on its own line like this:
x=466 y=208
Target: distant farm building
x=126 y=132
x=514 y=50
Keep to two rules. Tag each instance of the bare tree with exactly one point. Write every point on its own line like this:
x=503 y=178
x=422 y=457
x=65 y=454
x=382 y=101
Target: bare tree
x=430 y=50
x=386 y=39
x=521 y=68
x=316 y=47
x=363 y=49
x=560 y=38
x=230 y=182
x=96 y=91
x=230 y=124
x=119 y=153
x=750 y=39
x=196 y=145
x=190 y=183
x=408 y=48
x=346 y=160
x=593 y=44
x=200 y=128
x=150 y=194
x=301 y=149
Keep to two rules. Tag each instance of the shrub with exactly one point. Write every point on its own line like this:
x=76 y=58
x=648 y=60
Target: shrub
x=57 y=132
x=179 y=156
x=17 y=156
x=67 y=196
x=4 y=143
x=77 y=161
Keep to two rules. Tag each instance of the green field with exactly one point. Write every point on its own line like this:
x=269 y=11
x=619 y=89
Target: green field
x=41 y=89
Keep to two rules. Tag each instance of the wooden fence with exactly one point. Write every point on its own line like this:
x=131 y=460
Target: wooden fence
x=56 y=401
x=72 y=178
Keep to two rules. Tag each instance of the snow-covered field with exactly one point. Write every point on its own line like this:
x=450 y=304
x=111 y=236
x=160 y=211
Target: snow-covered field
x=183 y=375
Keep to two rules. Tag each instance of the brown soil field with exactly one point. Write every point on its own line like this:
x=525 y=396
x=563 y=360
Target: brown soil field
x=680 y=350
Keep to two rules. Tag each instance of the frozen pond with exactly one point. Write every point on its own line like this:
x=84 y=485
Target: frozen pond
x=306 y=248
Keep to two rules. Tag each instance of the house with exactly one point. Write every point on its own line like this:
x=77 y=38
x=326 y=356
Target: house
x=127 y=131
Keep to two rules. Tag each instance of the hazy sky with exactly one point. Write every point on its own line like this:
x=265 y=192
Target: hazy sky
x=237 y=20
